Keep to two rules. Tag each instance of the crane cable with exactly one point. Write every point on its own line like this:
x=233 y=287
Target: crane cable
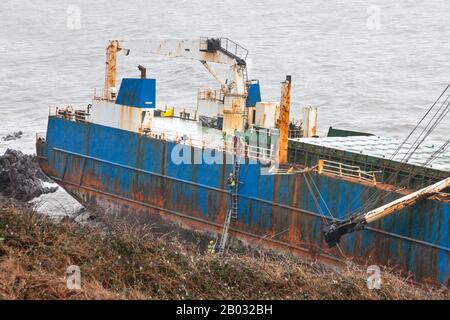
x=436 y=122
x=418 y=124
x=438 y=152
x=374 y=197
x=310 y=182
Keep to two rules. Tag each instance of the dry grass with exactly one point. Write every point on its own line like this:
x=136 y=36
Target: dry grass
x=136 y=264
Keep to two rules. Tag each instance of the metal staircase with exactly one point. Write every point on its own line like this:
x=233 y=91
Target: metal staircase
x=245 y=75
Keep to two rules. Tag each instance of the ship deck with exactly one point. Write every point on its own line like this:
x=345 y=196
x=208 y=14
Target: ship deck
x=186 y=131
x=375 y=154
x=384 y=148
x=191 y=132
x=377 y=147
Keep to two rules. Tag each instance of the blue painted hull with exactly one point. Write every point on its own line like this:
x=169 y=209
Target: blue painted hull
x=125 y=171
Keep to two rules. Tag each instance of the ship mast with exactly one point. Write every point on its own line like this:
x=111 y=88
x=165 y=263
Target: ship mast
x=110 y=90
x=283 y=120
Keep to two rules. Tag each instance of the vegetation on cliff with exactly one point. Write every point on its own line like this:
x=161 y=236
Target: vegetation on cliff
x=120 y=260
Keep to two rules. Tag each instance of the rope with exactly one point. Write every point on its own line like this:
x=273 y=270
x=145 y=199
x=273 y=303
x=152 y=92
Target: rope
x=320 y=194
x=318 y=205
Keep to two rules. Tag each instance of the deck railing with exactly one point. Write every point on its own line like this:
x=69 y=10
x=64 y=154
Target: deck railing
x=291 y=170
x=40 y=136
x=210 y=94
x=227 y=45
x=70 y=112
x=100 y=94
x=244 y=150
x=250 y=151
x=345 y=170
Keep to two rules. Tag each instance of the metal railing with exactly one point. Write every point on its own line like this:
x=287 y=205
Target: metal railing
x=345 y=170
x=294 y=134
x=100 y=94
x=40 y=136
x=228 y=45
x=70 y=112
x=210 y=94
x=292 y=170
x=244 y=150
x=236 y=49
x=250 y=151
x=103 y=94
x=174 y=136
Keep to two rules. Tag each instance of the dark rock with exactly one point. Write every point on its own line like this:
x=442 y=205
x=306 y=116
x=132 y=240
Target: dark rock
x=20 y=176
x=13 y=136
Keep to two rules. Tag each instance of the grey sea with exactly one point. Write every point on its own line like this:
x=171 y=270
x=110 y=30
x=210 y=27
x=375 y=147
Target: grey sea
x=369 y=66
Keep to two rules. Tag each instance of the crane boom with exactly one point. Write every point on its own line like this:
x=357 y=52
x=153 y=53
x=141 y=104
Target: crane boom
x=209 y=50
x=334 y=231
x=228 y=102
x=205 y=50
x=214 y=74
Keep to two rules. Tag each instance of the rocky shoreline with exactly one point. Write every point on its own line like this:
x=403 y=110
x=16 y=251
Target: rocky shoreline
x=13 y=136
x=20 y=176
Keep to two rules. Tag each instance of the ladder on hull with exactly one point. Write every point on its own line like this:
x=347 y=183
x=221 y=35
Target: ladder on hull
x=234 y=189
x=233 y=210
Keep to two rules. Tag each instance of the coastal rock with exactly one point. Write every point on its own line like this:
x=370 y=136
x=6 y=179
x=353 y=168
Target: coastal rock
x=13 y=136
x=20 y=176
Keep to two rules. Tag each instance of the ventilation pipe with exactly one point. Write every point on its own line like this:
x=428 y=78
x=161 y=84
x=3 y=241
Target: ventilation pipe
x=143 y=71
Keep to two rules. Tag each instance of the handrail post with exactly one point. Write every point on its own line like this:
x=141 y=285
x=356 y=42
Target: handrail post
x=320 y=165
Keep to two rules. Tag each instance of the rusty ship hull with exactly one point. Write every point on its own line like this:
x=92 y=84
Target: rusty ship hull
x=128 y=172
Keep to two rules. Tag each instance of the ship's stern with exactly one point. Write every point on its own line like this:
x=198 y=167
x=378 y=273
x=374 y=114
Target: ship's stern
x=42 y=153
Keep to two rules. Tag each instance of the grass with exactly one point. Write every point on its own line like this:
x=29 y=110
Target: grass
x=121 y=261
